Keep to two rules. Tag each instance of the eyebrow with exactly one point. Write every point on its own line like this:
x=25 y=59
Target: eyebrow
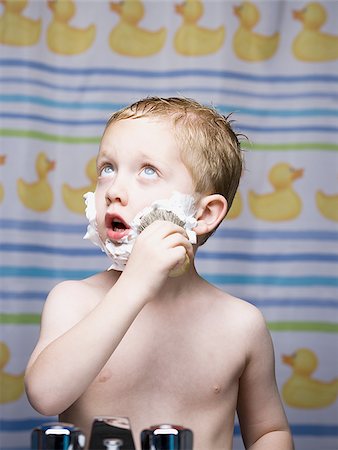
x=102 y=155
x=141 y=157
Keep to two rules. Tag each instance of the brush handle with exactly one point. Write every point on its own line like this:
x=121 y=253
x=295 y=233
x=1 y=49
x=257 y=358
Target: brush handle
x=180 y=269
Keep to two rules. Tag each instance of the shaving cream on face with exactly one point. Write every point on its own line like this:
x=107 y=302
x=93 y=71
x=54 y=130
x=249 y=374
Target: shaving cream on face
x=119 y=251
x=180 y=204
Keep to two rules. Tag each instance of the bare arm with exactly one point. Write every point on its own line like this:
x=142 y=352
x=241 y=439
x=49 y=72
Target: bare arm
x=76 y=342
x=66 y=360
x=263 y=422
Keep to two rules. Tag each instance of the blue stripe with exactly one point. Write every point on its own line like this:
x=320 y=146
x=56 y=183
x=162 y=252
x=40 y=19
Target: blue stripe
x=284 y=302
x=15 y=98
x=23 y=295
x=299 y=235
x=113 y=71
x=202 y=255
x=282 y=281
x=101 y=123
x=310 y=112
x=295 y=302
x=39 y=226
x=297 y=129
x=270 y=280
x=225 y=109
x=222 y=232
x=15 y=425
x=48 y=250
x=16 y=448
x=314 y=430
x=171 y=90
x=52 y=120
x=278 y=258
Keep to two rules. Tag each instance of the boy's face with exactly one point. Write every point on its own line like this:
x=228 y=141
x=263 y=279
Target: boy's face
x=139 y=162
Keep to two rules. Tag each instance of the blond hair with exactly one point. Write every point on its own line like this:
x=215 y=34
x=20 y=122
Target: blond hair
x=209 y=147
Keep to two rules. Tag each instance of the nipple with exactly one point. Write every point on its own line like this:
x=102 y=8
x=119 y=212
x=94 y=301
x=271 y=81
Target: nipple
x=217 y=389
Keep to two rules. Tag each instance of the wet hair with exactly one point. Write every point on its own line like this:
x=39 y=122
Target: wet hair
x=209 y=146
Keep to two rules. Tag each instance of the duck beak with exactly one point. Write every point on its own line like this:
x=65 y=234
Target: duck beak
x=51 y=4
x=236 y=10
x=51 y=165
x=297 y=174
x=296 y=14
x=287 y=360
x=116 y=7
x=179 y=8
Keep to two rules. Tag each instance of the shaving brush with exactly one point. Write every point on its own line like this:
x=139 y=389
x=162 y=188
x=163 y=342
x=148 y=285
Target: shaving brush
x=163 y=214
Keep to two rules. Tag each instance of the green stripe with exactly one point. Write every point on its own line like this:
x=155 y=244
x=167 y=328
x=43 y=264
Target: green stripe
x=8 y=132
x=293 y=146
x=19 y=319
x=320 y=327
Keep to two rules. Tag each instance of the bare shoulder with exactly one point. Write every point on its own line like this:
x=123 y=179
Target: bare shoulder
x=72 y=293
x=81 y=293
x=67 y=304
x=245 y=311
x=247 y=314
x=233 y=313
x=69 y=301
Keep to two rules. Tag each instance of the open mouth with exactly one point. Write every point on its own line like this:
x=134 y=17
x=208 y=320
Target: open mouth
x=117 y=228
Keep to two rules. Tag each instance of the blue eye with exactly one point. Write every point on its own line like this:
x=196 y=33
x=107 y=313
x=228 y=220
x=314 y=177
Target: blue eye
x=106 y=171
x=149 y=172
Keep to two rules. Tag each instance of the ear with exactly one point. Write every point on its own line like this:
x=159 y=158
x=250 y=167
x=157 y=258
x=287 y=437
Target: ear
x=211 y=212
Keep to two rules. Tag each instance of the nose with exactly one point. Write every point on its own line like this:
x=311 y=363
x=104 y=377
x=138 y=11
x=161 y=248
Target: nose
x=116 y=193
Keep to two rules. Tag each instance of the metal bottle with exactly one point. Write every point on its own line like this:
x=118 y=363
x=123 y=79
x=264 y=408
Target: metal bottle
x=57 y=436
x=167 y=437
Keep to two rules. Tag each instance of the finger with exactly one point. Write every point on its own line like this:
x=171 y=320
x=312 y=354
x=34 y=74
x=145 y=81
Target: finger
x=164 y=227
x=180 y=268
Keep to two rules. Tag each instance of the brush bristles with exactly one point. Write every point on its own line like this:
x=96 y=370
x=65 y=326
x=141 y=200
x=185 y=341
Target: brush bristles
x=163 y=214
x=159 y=214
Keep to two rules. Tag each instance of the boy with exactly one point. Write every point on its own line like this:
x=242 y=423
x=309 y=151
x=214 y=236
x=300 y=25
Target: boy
x=142 y=344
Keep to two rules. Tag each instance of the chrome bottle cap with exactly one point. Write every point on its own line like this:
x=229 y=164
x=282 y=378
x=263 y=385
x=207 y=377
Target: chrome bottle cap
x=57 y=436
x=167 y=437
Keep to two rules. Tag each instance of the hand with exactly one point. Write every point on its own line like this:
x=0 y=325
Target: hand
x=160 y=248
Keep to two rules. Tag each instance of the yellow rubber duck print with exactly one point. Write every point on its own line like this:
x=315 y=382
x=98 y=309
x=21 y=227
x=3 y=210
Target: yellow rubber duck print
x=192 y=39
x=247 y=44
x=127 y=37
x=303 y=391
x=11 y=386
x=281 y=204
x=327 y=205
x=236 y=207
x=73 y=197
x=16 y=29
x=311 y=44
x=38 y=195
x=62 y=38
x=2 y=191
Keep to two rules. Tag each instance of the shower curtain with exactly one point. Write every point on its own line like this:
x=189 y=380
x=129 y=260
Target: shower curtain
x=66 y=65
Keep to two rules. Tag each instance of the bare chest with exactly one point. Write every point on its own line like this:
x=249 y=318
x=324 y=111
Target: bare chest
x=181 y=368
x=169 y=373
